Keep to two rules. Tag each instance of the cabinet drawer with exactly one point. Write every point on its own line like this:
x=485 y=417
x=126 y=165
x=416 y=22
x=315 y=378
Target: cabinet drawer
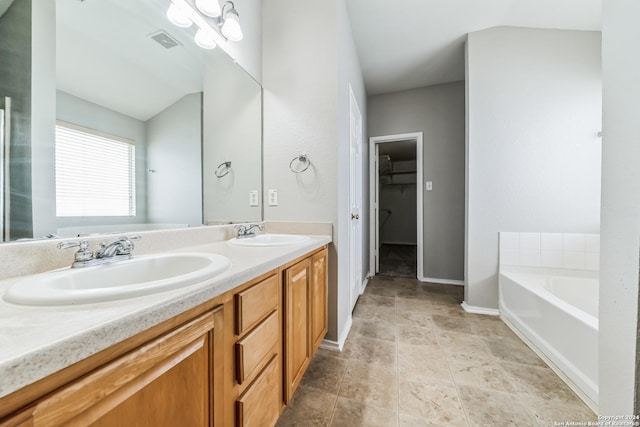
x=256 y=347
x=260 y=404
x=255 y=303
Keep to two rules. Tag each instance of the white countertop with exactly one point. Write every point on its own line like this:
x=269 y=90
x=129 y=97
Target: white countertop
x=38 y=341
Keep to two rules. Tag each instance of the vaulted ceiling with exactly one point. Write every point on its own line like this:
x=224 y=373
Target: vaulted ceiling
x=404 y=44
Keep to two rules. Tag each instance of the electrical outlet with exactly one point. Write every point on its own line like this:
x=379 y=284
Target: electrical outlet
x=273 y=197
x=253 y=198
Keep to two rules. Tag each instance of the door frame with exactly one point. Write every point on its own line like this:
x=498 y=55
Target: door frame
x=374 y=195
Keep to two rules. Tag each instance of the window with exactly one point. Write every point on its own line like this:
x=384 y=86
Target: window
x=95 y=173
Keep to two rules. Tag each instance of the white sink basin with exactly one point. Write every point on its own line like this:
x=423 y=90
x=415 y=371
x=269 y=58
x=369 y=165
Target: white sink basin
x=261 y=240
x=138 y=276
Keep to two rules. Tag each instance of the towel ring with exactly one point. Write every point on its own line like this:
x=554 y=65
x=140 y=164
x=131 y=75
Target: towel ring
x=223 y=172
x=302 y=158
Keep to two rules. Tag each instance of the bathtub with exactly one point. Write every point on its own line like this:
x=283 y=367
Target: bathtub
x=557 y=312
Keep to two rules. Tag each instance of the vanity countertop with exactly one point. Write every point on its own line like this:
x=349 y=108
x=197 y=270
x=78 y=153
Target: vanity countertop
x=38 y=341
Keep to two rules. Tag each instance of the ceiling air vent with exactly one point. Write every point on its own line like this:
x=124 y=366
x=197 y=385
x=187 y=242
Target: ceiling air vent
x=164 y=39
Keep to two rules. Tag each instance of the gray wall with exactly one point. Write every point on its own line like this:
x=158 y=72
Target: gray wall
x=534 y=112
x=232 y=131
x=174 y=152
x=438 y=112
x=15 y=82
x=309 y=59
x=620 y=229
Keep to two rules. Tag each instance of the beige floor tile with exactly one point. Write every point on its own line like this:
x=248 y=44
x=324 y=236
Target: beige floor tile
x=513 y=351
x=461 y=343
x=493 y=327
x=423 y=361
x=309 y=407
x=372 y=385
x=377 y=300
x=381 y=287
x=409 y=421
x=325 y=372
x=540 y=382
x=372 y=351
x=411 y=304
x=377 y=313
x=453 y=324
x=492 y=408
x=416 y=336
x=415 y=319
x=550 y=413
x=432 y=401
x=352 y=413
x=480 y=373
x=374 y=329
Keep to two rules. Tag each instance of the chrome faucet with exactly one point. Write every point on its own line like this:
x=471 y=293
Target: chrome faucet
x=116 y=251
x=120 y=247
x=246 y=231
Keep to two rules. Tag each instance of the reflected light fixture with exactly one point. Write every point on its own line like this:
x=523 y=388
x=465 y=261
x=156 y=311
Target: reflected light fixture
x=178 y=16
x=231 y=23
x=204 y=40
x=209 y=7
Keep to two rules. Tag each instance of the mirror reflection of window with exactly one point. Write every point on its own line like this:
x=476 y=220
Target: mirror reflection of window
x=95 y=173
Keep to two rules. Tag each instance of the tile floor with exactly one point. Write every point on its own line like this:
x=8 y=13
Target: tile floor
x=415 y=358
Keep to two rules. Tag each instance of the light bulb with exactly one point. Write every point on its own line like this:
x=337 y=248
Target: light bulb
x=209 y=7
x=231 y=27
x=204 y=40
x=177 y=16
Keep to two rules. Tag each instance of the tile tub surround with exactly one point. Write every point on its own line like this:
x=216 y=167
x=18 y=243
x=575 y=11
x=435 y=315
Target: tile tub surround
x=553 y=250
x=38 y=341
x=415 y=358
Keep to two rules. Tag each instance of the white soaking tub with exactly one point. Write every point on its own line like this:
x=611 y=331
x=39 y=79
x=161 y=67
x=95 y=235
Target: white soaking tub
x=557 y=311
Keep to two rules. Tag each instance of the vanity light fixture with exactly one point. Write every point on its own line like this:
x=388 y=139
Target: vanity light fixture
x=215 y=25
x=204 y=40
x=231 y=23
x=178 y=16
x=209 y=7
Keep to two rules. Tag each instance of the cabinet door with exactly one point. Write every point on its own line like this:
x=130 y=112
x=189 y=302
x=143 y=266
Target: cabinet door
x=297 y=343
x=166 y=382
x=319 y=314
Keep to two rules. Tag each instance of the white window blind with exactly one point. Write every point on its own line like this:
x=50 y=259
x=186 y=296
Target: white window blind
x=95 y=173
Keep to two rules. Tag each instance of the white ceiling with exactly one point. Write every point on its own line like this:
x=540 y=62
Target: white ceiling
x=104 y=55
x=404 y=44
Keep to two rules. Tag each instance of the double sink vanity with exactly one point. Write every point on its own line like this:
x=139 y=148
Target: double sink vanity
x=210 y=334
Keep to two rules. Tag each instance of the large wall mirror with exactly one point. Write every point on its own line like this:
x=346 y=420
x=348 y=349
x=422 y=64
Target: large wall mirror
x=121 y=123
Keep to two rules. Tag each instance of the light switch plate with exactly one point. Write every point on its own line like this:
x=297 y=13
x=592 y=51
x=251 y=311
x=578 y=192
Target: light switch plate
x=273 y=197
x=428 y=186
x=253 y=198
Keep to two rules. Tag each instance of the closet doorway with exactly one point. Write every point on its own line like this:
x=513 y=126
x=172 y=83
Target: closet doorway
x=396 y=205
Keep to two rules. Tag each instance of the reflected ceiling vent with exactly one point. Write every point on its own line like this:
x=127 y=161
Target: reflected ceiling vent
x=164 y=39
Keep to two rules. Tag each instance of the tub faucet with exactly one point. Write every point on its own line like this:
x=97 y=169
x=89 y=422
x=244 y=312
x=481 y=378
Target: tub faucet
x=246 y=231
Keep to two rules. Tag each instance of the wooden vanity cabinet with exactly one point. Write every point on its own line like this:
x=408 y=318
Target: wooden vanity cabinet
x=235 y=360
x=168 y=381
x=305 y=306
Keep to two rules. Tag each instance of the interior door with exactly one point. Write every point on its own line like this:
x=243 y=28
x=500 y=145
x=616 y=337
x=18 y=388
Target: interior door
x=355 y=198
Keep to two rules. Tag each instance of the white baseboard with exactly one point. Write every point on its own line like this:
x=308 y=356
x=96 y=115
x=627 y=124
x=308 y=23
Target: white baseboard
x=479 y=310
x=441 y=281
x=338 y=345
x=365 y=282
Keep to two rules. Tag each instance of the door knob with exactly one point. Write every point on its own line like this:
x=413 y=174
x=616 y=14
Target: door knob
x=355 y=216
